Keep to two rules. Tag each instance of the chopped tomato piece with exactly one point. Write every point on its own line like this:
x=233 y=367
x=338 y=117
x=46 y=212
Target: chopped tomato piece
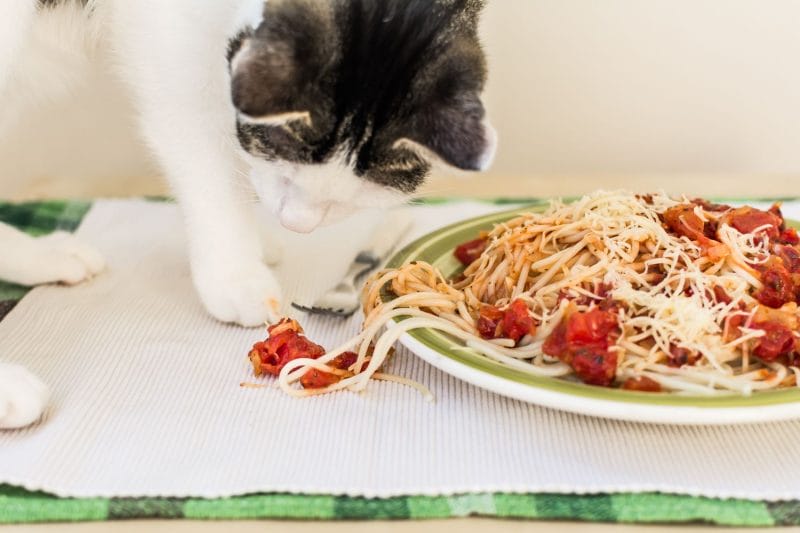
x=779 y=340
x=582 y=340
x=556 y=343
x=346 y=360
x=591 y=327
x=790 y=257
x=721 y=296
x=468 y=252
x=734 y=322
x=679 y=356
x=710 y=230
x=778 y=287
x=285 y=343
x=594 y=365
x=489 y=321
x=517 y=321
x=512 y=323
x=776 y=210
x=319 y=379
x=749 y=219
x=642 y=384
x=789 y=236
x=682 y=220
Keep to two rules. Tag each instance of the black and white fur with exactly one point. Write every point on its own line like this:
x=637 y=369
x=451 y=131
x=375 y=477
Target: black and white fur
x=317 y=107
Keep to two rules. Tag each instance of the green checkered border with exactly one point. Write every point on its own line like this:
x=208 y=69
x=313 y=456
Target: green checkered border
x=18 y=505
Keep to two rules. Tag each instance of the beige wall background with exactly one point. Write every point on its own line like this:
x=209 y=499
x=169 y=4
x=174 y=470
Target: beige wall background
x=604 y=91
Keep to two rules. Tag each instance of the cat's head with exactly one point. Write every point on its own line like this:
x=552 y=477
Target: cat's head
x=346 y=104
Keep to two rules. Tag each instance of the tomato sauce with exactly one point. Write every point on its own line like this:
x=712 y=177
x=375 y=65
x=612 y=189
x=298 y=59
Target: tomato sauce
x=319 y=379
x=778 y=285
x=749 y=219
x=779 y=341
x=512 y=323
x=468 y=252
x=679 y=356
x=683 y=221
x=582 y=340
x=285 y=343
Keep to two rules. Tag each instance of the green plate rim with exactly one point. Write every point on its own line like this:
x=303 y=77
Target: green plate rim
x=439 y=244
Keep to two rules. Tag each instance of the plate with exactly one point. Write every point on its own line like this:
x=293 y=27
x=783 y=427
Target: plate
x=436 y=348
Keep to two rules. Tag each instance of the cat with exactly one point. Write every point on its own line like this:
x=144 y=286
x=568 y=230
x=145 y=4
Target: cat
x=317 y=108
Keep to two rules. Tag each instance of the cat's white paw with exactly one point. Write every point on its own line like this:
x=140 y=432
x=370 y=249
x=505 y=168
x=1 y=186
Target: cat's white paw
x=61 y=258
x=246 y=295
x=23 y=397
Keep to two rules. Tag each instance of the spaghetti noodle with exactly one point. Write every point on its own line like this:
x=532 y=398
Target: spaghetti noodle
x=642 y=292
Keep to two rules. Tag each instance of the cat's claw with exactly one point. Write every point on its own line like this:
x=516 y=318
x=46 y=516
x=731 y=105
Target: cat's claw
x=62 y=258
x=23 y=397
x=249 y=296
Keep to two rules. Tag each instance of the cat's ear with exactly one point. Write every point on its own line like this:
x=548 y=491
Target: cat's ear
x=449 y=119
x=277 y=66
x=458 y=135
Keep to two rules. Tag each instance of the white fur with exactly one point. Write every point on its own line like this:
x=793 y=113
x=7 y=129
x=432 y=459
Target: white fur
x=16 y=20
x=489 y=153
x=277 y=120
x=171 y=54
x=179 y=77
x=304 y=197
x=23 y=397
x=43 y=55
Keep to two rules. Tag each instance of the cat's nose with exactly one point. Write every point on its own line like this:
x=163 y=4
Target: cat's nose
x=301 y=217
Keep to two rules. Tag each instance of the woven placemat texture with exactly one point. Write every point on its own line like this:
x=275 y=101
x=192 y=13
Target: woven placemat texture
x=21 y=506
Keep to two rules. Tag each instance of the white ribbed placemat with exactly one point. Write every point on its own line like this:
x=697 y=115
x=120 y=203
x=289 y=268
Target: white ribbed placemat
x=146 y=399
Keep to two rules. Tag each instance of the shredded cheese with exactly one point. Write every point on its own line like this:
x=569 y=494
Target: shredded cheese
x=609 y=244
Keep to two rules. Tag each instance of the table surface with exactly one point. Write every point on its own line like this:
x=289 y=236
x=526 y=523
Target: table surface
x=739 y=186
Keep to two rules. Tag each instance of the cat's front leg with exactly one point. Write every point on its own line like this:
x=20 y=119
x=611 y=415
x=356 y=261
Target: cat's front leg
x=181 y=86
x=23 y=397
x=225 y=247
x=234 y=287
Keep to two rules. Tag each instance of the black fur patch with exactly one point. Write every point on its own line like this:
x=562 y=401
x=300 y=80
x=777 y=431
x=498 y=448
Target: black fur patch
x=369 y=73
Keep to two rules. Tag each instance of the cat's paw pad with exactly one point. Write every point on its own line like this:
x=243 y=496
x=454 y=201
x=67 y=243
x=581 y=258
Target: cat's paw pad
x=249 y=296
x=23 y=397
x=61 y=257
